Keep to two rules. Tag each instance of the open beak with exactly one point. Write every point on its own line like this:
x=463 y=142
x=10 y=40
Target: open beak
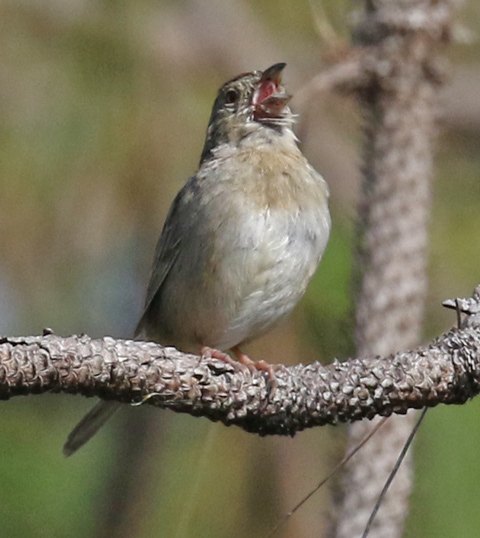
x=274 y=73
x=270 y=98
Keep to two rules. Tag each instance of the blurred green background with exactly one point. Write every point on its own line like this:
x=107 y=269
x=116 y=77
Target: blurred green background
x=103 y=111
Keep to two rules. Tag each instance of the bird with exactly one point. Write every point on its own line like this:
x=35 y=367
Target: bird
x=242 y=238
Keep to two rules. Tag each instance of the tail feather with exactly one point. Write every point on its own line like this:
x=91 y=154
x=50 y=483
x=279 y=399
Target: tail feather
x=89 y=425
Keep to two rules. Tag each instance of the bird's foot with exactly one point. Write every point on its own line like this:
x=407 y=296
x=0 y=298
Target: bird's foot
x=253 y=366
x=259 y=366
x=212 y=353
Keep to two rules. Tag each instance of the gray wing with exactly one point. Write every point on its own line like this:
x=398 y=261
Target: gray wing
x=168 y=247
x=166 y=254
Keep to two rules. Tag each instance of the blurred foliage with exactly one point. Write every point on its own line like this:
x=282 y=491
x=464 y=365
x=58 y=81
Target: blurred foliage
x=103 y=109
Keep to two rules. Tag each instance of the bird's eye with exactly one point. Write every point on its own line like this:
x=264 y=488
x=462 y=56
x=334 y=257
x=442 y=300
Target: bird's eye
x=231 y=97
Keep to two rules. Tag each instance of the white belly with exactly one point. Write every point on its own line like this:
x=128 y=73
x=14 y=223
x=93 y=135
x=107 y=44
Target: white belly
x=269 y=274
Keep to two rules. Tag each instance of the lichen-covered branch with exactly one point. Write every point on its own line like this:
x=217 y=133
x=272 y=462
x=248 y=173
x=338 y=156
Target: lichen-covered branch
x=446 y=371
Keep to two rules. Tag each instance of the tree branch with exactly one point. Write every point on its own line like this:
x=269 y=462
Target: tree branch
x=446 y=371
x=400 y=46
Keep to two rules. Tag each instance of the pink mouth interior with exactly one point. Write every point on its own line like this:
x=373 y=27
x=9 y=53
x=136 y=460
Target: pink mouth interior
x=265 y=90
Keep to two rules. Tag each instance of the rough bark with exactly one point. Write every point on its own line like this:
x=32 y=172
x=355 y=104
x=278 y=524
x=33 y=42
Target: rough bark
x=399 y=43
x=446 y=371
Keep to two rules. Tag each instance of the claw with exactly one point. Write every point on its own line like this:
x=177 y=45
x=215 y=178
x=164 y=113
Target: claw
x=212 y=353
x=253 y=366
x=259 y=366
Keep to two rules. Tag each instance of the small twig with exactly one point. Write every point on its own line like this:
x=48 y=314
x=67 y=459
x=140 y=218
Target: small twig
x=337 y=467
x=341 y=77
x=397 y=465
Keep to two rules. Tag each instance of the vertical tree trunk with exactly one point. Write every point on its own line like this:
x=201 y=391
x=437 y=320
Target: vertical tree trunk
x=400 y=41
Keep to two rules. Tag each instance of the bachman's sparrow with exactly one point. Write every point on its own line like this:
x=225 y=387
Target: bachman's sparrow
x=242 y=238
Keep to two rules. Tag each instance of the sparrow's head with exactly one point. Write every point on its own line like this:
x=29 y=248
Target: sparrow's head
x=246 y=103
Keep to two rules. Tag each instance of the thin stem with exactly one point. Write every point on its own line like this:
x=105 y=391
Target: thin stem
x=339 y=465
x=397 y=465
